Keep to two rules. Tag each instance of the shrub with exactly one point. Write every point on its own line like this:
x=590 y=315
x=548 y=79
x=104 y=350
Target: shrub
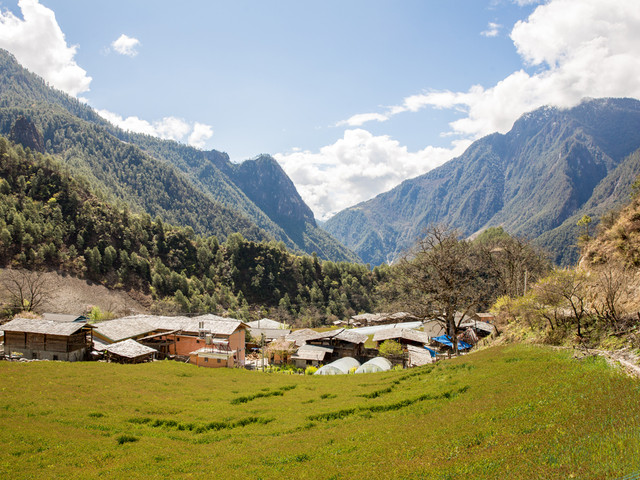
x=122 y=439
x=310 y=370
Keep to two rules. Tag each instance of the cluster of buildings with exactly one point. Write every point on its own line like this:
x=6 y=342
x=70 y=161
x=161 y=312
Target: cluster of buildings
x=213 y=341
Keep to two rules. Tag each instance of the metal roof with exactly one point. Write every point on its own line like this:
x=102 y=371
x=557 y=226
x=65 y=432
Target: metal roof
x=46 y=327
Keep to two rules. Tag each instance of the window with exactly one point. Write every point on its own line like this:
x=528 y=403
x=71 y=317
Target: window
x=206 y=360
x=219 y=361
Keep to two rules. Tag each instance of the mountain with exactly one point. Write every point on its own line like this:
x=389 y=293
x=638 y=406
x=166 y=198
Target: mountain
x=178 y=183
x=551 y=166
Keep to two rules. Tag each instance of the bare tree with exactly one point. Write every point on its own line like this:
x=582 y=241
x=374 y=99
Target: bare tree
x=444 y=275
x=26 y=289
x=610 y=288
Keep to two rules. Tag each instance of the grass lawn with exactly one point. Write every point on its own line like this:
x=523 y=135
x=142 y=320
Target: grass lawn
x=506 y=412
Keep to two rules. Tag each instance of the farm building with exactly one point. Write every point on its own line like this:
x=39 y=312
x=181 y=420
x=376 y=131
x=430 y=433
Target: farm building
x=382 y=318
x=300 y=336
x=404 y=336
x=345 y=343
x=129 y=351
x=271 y=329
x=180 y=336
x=342 y=366
x=377 y=364
x=418 y=356
x=47 y=339
x=310 y=355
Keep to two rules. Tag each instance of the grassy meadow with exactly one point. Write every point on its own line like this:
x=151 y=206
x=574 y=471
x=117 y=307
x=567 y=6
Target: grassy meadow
x=504 y=412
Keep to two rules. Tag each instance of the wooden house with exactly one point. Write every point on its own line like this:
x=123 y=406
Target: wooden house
x=311 y=355
x=404 y=336
x=179 y=336
x=47 y=339
x=344 y=343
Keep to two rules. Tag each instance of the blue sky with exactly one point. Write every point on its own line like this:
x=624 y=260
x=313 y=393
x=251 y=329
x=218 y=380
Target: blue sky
x=351 y=97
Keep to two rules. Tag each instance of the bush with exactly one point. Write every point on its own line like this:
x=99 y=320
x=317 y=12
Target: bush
x=310 y=370
x=126 y=439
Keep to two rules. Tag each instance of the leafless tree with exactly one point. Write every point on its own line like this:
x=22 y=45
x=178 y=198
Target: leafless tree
x=442 y=276
x=26 y=289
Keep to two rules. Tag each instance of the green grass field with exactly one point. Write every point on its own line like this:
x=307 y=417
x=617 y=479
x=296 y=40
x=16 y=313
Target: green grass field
x=507 y=412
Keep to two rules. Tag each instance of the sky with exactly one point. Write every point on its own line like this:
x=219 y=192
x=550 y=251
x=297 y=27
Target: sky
x=350 y=96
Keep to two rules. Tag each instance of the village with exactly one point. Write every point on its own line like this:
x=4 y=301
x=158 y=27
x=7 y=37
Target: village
x=365 y=343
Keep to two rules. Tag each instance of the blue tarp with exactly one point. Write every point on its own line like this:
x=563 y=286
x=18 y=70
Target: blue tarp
x=431 y=352
x=445 y=340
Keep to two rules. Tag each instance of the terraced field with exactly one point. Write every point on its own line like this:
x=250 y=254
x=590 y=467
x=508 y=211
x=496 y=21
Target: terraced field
x=507 y=412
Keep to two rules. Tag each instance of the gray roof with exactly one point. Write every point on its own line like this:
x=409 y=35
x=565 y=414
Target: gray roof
x=129 y=349
x=301 y=336
x=46 y=327
x=267 y=323
x=63 y=317
x=340 y=334
x=123 y=328
x=311 y=352
x=433 y=328
x=401 y=333
x=128 y=327
x=269 y=333
x=377 y=364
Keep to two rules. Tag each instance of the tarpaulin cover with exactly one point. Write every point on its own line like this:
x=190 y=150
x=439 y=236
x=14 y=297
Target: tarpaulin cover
x=431 y=352
x=445 y=340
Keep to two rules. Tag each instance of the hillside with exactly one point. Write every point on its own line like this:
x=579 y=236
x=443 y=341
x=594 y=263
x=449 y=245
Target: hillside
x=552 y=165
x=50 y=220
x=180 y=184
x=529 y=411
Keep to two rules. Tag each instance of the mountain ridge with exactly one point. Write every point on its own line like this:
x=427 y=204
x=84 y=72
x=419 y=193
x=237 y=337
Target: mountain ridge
x=529 y=181
x=183 y=185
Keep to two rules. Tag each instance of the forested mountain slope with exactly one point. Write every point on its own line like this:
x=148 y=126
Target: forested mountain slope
x=532 y=180
x=181 y=184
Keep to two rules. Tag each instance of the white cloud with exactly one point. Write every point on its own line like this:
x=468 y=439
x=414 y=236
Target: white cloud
x=125 y=45
x=357 y=167
x=171 y=128
x=200 y=134
x=578 y=48
x=361 y=118
x=581 y=48
x=493 y=29
x=39 y=45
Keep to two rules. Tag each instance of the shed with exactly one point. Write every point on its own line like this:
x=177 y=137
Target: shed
x=310 y=355
x=342 y=366
x=377 y=364
x=129 y=351
x=419 y=356
x=47 y=339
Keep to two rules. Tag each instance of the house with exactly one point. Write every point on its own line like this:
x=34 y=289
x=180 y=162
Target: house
x=345 y=343
x=129 y=351
x=383 y=318
x=181 y=336
x=313 y=355
x=271 y=330
x=300 y=336
x=47 y=339
x=280 y=351
x=404 y=336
